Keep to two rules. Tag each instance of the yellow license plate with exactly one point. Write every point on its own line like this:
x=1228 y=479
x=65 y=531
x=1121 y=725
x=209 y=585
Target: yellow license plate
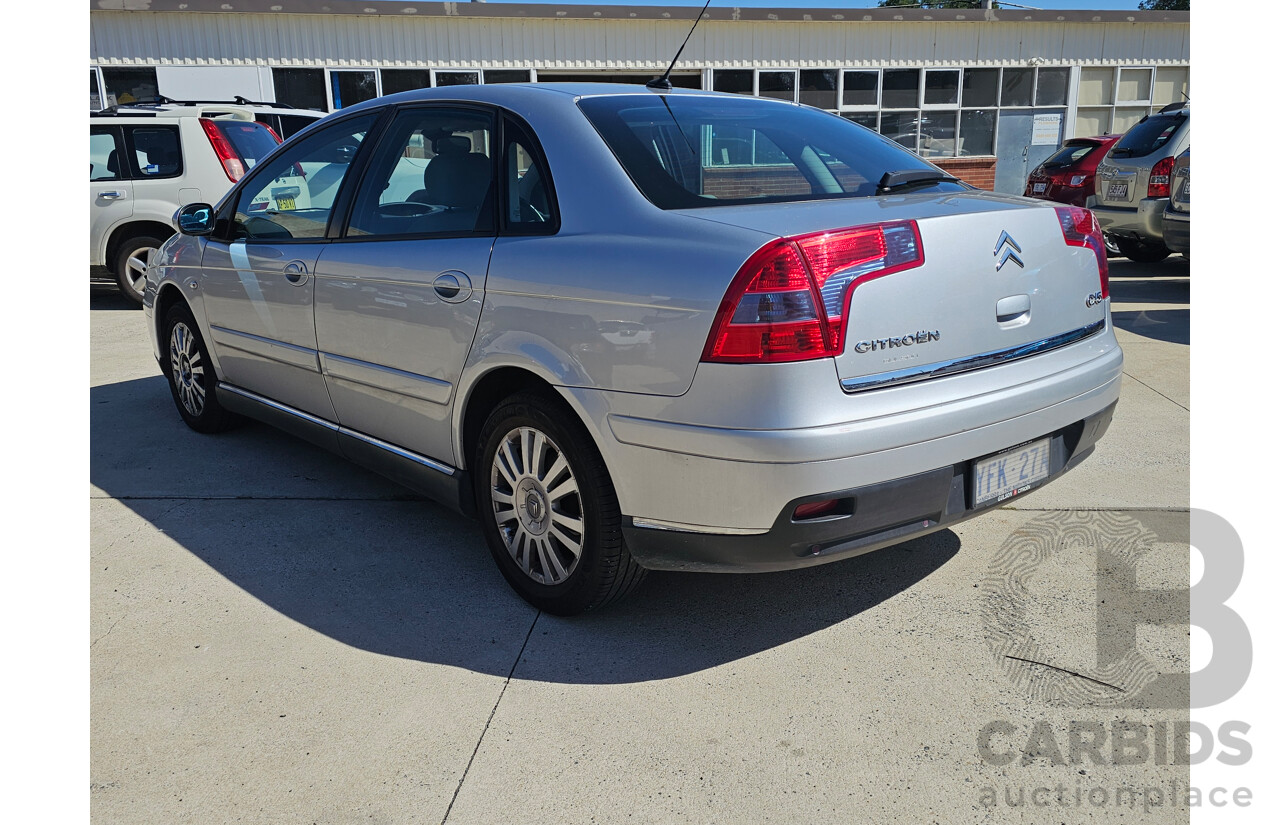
x=285 y=204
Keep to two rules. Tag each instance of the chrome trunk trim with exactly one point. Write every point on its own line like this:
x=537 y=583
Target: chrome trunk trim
x=971 y=362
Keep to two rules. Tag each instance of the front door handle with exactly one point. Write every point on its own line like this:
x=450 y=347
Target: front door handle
x=453 y=287
x=295 y=271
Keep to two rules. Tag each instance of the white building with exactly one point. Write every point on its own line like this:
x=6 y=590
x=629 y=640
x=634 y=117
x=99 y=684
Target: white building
x=986 y=94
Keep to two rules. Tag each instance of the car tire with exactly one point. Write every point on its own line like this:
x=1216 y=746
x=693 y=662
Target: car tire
x=192 y=381
x=1142 y=253
x=548 y=508
x=132 y=260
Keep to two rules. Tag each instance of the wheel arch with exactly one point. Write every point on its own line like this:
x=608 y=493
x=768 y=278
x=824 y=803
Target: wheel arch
x=132 y=229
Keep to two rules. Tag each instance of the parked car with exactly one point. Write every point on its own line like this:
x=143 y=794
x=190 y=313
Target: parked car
x=1132 y=184
x=619 y=362
x=1067 y=175
x=146 y=160
x=1177 y=214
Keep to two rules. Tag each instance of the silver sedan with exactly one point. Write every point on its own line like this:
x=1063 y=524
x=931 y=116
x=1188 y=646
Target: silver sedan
x=633 y=329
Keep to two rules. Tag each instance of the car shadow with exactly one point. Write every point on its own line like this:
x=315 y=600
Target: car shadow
x=105 y=295
x=358 y=559
x=1170 y=325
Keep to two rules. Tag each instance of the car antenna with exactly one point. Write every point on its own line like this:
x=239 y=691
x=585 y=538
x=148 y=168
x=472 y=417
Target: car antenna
x=664 y=83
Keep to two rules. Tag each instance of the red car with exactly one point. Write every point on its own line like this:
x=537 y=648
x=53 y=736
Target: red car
x=1067 y=176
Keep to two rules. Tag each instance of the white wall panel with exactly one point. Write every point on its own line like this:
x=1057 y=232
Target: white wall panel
x=627 y=45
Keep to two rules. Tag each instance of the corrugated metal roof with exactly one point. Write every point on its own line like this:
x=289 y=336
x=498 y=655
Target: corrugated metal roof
x=567 y=11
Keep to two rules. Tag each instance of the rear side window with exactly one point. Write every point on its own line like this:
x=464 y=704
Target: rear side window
x=250 y=140
x=691 y=151
x=1149 y=136
x=528 y=207
x=154 y=151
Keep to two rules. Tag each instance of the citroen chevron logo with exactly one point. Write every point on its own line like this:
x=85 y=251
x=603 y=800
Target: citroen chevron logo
x=1010 y=251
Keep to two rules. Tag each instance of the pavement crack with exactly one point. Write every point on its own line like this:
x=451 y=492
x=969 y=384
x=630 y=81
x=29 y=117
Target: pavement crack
x=1064 y=670
x=489 y=721
x=1156 y=391
x=108 y=633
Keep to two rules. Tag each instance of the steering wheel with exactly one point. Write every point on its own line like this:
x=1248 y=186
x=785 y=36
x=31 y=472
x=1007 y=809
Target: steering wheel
x=409 y=209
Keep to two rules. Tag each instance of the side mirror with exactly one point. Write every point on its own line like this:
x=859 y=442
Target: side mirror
x=196 y=219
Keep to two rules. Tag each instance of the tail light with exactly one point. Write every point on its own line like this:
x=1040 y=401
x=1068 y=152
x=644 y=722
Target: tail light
x=788 y=302
x=1158 y=183
x=230 y=158
x=1080 y=228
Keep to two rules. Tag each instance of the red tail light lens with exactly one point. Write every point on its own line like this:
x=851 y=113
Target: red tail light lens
x=231 y=162
x=1080 y=228
x=788 y=301
x=1158 y=183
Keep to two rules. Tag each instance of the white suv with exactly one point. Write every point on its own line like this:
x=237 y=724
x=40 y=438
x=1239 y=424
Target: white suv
x=146 y=160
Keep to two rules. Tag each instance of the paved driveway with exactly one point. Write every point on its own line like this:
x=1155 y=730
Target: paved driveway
x=278 y=636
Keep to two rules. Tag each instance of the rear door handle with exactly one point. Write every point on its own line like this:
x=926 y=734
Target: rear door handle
x=111 y=195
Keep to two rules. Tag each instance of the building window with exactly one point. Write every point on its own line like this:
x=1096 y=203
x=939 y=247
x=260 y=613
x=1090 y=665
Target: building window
x=861 y=89
x=95 y=94
x=1051 y=86
x=818 y=88
x=981 y=87
x=942 y=87
x=352 y=87
x=507 y=76
x=301 y=88
x=735 y=81
x=779 y=85
x=901 y=89
x=457 y=78
x=130 y=85
x=404 y=80
x=1016 y=86
x=1112 y=99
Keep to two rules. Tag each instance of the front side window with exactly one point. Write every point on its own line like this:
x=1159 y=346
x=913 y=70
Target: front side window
x=155 y=151
x=674 y=148
x=105 y=153
x=292 y=196
x=432 y=175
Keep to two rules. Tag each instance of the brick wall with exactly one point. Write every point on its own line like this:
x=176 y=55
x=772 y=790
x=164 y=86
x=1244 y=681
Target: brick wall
x=978 y=171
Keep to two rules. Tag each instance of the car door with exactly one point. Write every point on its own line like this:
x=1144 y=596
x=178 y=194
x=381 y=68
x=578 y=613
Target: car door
x=257 y=269
x=398 y=297
x=110 y=191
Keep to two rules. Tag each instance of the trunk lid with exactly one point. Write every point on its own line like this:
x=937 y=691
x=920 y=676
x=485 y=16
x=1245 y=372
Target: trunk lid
x=997 y=277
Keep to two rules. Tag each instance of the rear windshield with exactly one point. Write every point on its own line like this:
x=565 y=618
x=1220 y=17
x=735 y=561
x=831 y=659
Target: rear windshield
x=252 y=141
x=1068 y=155
x=1148 y=136
x=690 y=151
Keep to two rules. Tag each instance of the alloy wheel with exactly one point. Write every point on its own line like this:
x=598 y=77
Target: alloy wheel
x=537 y=505
x=187 y=368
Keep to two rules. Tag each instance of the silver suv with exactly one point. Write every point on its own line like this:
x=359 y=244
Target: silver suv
x=1177 y=215
x=1132 y=183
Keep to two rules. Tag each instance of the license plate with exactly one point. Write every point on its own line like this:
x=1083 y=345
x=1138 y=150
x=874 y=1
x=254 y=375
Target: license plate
x=285 y=204
x=1038 y=188
x=1007 y=474
x=1118 y=191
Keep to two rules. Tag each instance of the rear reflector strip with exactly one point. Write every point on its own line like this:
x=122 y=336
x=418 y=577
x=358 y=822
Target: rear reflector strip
x=972 y=362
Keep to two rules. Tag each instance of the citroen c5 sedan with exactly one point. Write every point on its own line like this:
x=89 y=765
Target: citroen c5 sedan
x=561 y=309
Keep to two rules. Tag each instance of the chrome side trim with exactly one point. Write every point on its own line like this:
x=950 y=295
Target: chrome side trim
x=276 y=405
x=972 y=362
x=382 y=377
x=269 y=348
x=336 y=428
x=677 y=527
x=399 y=451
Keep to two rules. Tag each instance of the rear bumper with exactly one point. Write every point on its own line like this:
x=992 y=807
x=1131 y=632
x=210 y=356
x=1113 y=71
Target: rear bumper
x=873 y=516
x=724 y=466
x=1145 y=223
x=1177 y=231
